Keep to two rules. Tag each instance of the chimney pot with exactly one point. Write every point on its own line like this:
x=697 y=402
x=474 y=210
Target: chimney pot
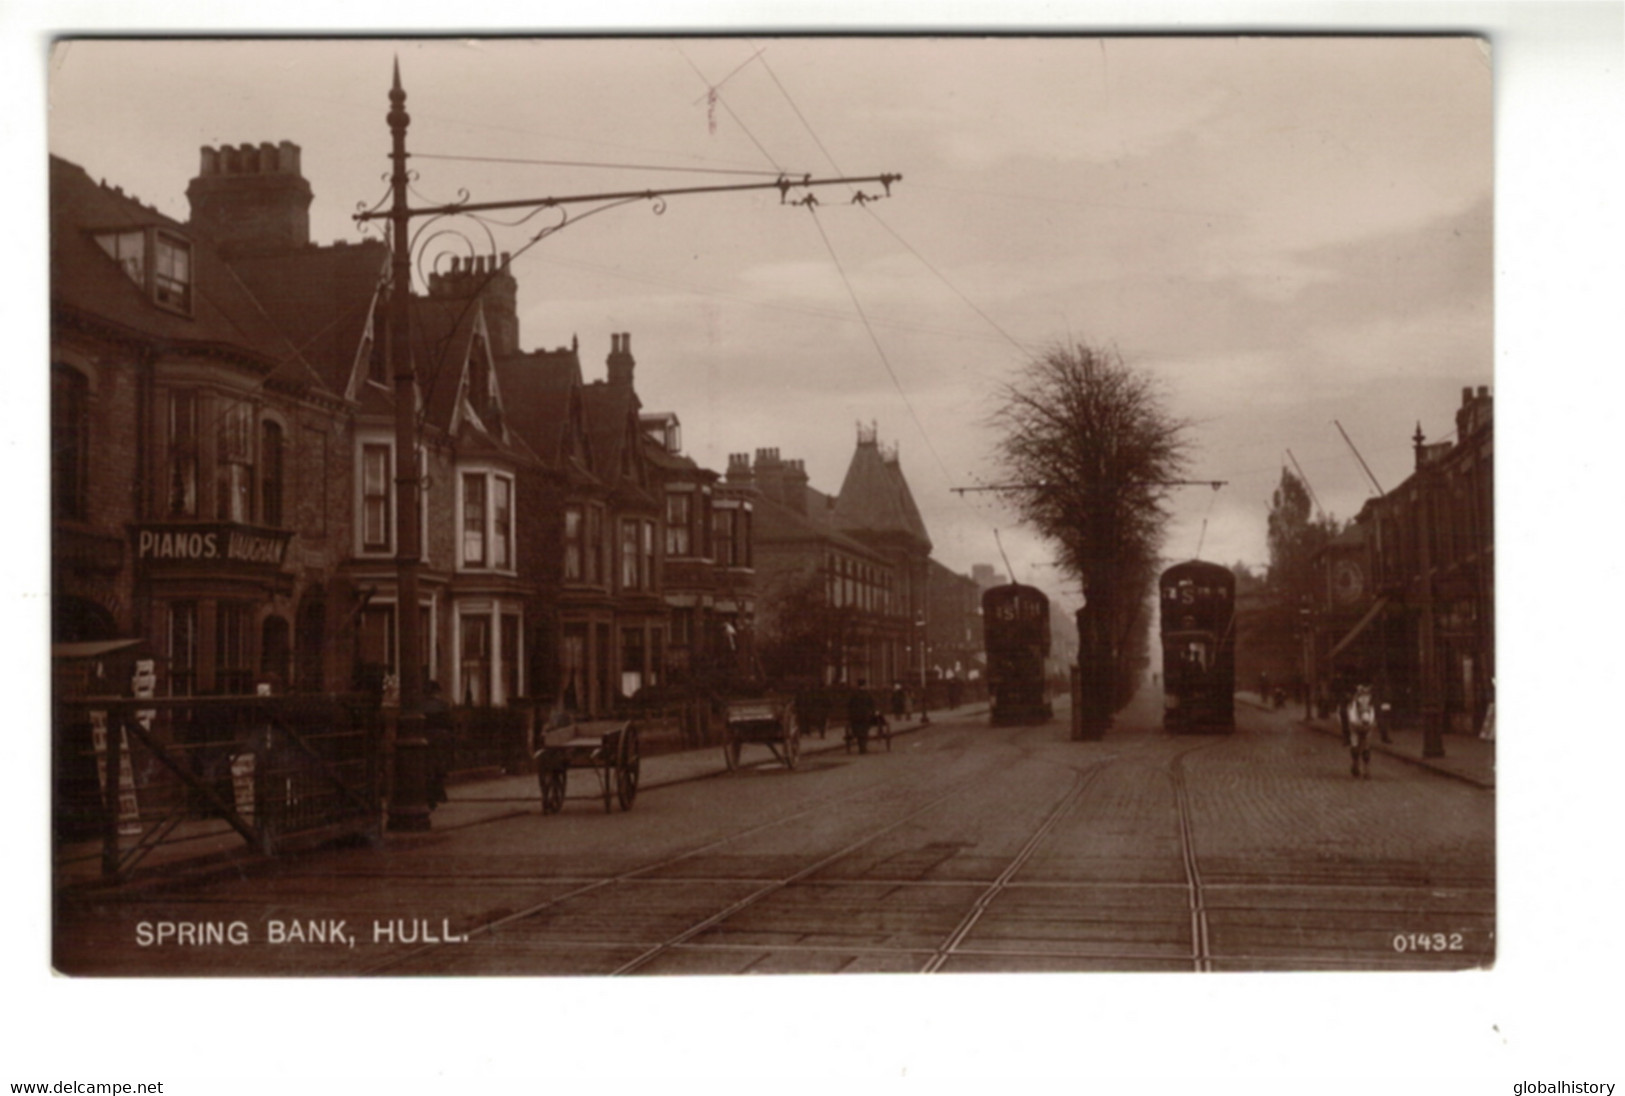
x=1467 y=395
x=1483 y=391
x=208 y=161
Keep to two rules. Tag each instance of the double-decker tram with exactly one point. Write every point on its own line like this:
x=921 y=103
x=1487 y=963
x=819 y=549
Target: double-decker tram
x=1198 y=611
x=1015 y=628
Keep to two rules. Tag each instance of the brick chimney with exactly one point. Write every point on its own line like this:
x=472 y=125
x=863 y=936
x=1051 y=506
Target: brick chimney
x=620 y=360
x=1474 y=411
x=794 y=485
x=491 y=279
x=770 y=474
x=251 y=198
x=739 y=472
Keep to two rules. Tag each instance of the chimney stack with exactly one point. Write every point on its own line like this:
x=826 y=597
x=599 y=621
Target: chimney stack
x=251 y=197
x=494 y=283
x=739 y=471
x=620 y=361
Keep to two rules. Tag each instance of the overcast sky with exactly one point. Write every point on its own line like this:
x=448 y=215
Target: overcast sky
x=1284 y=232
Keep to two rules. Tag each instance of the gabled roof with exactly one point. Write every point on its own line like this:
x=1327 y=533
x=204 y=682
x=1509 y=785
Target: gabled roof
x=322 y=298
x=776 y=523
x=542 y=396
x=224 y=317
x=450 y=349
x=442 y=335
x=612 y=425
x=875 y=500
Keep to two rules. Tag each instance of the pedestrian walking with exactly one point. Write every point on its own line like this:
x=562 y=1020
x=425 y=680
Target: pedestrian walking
x=1361 y=712
x=899 y=701
x=861 y=714
x=1342 y=697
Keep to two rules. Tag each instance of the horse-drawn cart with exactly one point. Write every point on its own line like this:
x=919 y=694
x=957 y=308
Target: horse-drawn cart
x=769 y=721
x=609 y=747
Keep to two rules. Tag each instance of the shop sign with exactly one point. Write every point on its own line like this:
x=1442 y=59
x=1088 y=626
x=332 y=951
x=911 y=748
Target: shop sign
x=219 y=543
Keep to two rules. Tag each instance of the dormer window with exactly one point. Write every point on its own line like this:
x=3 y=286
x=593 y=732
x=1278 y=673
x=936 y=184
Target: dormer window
x=159 y=262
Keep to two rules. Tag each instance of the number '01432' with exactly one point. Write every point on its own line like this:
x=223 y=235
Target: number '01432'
x=1427 y=941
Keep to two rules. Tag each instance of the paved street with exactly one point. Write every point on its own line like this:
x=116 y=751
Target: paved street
x=964 y=848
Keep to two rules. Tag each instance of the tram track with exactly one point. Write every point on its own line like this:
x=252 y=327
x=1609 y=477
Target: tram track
x=830 y=910
x=946 y=949
x=589 y=885
x=1201 y=946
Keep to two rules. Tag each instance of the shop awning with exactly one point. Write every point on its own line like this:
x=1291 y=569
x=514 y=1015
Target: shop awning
x=93 y=648
x=1354 y=632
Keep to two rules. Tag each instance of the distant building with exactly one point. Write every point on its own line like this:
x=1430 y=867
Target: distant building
x=954 y=643
x=842 y=580
x=1408 y=597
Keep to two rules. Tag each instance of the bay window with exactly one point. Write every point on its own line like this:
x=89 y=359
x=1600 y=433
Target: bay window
x=679 y=509
x=487 y=522
x=183 y=456
x=572 y=544
x=376 y=521
x=474 y=517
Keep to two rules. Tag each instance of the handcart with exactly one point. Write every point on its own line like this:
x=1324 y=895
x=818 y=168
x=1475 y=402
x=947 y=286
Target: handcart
x=609 y=747
x=858 y=737
x=769 y=721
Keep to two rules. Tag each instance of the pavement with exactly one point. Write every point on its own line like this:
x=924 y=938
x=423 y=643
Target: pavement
x=1466 y=757
x=214 y=849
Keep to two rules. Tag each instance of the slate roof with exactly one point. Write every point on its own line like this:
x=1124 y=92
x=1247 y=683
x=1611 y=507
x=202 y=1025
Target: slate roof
x=321 y=297
x=777 y=523
x=612 y=413
x=875 y=500
x=225 y=315
x=537 y=391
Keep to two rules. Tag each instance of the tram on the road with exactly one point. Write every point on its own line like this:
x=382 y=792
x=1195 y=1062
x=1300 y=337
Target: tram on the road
x=1197 y=604
x=1016 y=633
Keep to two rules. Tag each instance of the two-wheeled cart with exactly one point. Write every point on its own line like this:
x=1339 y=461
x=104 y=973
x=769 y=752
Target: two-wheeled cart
x=609 y=747
x=858 y=737
x=770 y=722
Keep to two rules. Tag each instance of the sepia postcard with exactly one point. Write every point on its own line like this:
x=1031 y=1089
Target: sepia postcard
x=880 y=504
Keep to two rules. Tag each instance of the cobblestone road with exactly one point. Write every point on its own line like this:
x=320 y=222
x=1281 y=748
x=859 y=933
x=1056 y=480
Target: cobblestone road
x=966 y=848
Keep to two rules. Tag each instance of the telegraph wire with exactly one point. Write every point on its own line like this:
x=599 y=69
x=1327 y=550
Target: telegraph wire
x=924 y=433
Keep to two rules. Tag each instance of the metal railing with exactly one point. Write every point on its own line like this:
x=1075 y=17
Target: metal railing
x=183 y=777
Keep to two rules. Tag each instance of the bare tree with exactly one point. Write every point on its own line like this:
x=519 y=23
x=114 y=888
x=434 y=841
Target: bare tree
x=1095 y=451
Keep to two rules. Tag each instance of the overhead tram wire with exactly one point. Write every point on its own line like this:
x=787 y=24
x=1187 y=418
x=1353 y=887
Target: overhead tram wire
x=710 y=88
x=875 y=340
x=1306 y=486
x=1009 y=338
x=714 y=95
x=924 y=433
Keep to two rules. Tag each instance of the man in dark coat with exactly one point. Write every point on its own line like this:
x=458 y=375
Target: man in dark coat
x=860 y=714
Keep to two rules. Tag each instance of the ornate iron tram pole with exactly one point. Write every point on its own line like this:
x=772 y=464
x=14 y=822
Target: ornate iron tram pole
x=409 y=795
x=407 y=769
